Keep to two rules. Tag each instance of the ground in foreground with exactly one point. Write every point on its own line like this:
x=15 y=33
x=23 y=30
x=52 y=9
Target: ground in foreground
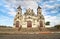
x=31 y=36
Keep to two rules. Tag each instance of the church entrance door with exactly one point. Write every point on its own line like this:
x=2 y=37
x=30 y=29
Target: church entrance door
x=41 y=24
x=29 y=24
x=17 y=23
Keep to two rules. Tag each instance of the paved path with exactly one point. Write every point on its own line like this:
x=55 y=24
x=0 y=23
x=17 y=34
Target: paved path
x=31 y=36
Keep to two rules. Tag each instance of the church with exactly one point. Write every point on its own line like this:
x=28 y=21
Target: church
x=29 y=19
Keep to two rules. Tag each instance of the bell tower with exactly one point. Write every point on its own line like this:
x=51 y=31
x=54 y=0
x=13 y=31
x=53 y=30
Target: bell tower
x=19 y=10
x=18 y=17
x=40 y=19
x=39 y=11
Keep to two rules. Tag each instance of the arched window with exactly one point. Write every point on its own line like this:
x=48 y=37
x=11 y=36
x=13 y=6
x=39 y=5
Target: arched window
x=18 y=12
x=18 y=17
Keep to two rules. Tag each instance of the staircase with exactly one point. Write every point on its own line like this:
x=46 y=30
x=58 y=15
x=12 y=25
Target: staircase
x=33 y=29
x=29 y=29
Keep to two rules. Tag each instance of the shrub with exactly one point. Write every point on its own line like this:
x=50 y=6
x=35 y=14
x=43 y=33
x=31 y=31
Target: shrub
x=57 y=26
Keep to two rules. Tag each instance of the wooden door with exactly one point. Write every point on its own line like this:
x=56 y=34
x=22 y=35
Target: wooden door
x=17 y=23
x=41 y=24
x=29 y=24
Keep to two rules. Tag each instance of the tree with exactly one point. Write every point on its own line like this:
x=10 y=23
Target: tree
x=57 y=26
x=48 y=23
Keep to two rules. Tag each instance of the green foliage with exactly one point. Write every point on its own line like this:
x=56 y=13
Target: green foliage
x=57 y=26
x=48 y=23
x=4 y=26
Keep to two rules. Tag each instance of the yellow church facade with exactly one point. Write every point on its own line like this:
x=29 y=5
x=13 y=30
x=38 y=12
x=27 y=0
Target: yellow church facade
x=29 y=19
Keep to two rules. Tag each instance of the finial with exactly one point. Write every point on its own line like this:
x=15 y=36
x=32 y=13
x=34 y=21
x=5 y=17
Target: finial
x=19 y=7
x=39 y=7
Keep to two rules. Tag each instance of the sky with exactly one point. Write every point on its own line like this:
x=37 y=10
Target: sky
x=50 y=10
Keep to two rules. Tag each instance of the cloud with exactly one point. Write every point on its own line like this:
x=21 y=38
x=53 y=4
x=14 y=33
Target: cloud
x=54 y=20
x=58 y=0
x=12 y=13
x=12 y=5
x=50 y=8
x=4 y=20
x=50 y=19
x=53 y=11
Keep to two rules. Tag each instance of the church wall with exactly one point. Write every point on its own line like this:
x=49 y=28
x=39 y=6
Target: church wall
x=43 y=21
x=24 y=23
x=29 y=16
x=16 y=21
